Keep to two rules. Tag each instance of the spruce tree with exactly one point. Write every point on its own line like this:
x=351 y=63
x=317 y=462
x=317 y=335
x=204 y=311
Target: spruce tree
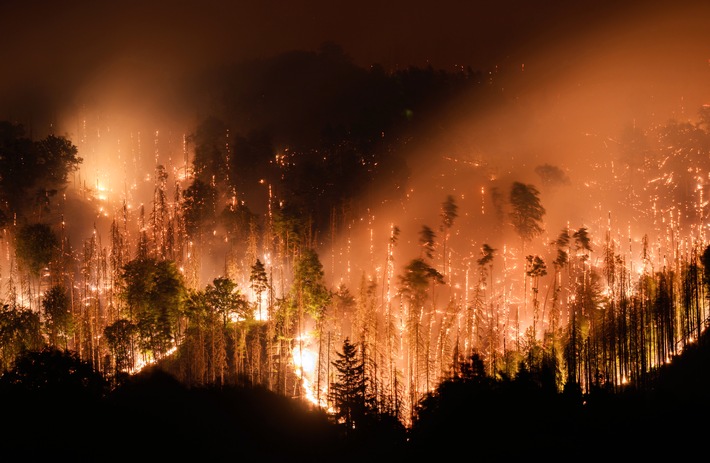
x=348 y=391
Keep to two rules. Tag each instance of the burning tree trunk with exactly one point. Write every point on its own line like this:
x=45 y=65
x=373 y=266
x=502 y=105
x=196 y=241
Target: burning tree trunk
x=414 y=286
x=536 y=269
x=526 y=217
x=449 y=212
x=159 y=216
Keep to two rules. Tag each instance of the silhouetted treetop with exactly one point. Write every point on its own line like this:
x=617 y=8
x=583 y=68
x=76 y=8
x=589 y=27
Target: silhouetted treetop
x=32 y=172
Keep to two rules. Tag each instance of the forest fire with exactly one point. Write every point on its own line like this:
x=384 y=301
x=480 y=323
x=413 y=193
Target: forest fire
x=304 y=362
x=314 y=233
x=546 y=221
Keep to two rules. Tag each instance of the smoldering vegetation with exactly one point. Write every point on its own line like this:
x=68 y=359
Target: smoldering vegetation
x=397 y=183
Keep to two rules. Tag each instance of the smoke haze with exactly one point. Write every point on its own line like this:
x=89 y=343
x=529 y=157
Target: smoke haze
x=128 y=82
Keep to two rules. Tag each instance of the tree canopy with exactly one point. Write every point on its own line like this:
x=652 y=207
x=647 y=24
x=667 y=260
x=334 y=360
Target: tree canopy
x=527 y=211
x=311 y=290
x=32 y=172
x=154 y=292
x=35 y=246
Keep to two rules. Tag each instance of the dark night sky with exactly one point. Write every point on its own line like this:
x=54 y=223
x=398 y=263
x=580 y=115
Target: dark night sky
x=83 y=34
x=53 y=50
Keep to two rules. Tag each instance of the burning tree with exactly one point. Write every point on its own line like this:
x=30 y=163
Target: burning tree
x=527 y=212
x=56 y=310
x=613 y=316
x=154 y=293
x=36 y=246
x=415 y=284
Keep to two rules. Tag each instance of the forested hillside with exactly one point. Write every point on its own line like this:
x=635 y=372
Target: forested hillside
x=333 y=259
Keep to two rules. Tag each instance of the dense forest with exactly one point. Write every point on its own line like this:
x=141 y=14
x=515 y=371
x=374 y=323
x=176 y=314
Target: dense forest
x=260 y=260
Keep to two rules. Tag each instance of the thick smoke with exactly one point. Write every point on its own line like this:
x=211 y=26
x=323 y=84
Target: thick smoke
x=568 y=106
x=128 y=84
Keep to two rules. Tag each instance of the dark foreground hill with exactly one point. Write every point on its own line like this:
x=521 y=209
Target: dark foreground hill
x=517 y=419
x=153 y=417
x=54 y=410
